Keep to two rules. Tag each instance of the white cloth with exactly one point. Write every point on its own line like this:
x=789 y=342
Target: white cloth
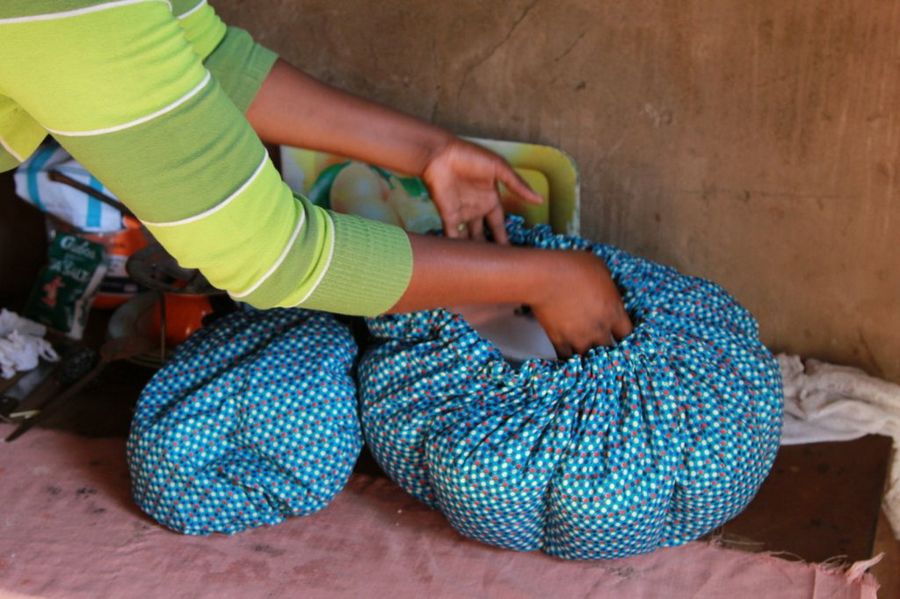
x=22 y=344
x=10 y=321
x=824 y=402
x=519 y=337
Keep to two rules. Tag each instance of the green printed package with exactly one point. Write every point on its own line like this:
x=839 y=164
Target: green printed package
x=63 y=292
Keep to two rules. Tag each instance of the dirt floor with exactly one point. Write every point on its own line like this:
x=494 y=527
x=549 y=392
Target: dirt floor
x=820 y=502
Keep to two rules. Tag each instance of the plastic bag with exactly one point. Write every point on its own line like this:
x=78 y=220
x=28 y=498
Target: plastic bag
x=36 y=185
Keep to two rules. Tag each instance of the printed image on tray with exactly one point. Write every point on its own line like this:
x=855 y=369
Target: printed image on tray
x=372 y=192
x=350 y=187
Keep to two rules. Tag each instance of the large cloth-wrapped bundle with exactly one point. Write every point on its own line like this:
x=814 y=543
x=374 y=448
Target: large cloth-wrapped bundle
x=650 y=443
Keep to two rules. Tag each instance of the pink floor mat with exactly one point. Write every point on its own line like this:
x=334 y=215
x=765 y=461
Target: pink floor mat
x=69 y=529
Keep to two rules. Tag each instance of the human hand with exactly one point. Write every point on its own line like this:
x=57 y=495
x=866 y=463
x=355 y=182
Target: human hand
x=463 y=179
x=571 y=293
x=580 y=308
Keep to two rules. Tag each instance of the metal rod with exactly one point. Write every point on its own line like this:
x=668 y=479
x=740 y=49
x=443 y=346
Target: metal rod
x=59 y=177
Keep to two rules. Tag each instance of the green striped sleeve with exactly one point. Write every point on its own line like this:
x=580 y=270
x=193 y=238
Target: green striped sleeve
x=126 y=93
x=202 y=28
x=18 y=9
x=239 y=64
x=20 y=134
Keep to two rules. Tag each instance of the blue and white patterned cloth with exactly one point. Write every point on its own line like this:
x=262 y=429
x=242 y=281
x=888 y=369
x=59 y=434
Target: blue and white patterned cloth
x=650 y=443
x=254 y=419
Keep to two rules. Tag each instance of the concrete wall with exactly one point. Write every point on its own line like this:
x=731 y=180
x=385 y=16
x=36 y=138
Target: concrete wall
x=754 y=143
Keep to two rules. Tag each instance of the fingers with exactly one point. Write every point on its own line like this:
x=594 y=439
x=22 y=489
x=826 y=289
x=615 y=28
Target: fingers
x=454 y=228
x=601 y=336
x=517 y=185
x=476 y=230
x=622 y=327
x=497 y=225
x=585 y=309
x=582 y=344
x=563 y=350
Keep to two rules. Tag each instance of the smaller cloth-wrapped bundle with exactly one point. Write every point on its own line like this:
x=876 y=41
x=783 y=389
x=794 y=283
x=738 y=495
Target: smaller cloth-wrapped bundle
x=253 y=420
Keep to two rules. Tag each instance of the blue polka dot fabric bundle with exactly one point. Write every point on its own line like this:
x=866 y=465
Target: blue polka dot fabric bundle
x=647 y=444
x=254 y=419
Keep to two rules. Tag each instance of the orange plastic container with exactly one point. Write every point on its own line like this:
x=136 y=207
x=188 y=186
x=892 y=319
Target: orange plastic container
x=117 y=287
x=184 y=315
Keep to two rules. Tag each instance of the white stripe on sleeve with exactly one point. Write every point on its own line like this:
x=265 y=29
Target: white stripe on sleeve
x=148 y=117
x=327 y=264
x=53 y=16
x=278 y=262
x=217 y=207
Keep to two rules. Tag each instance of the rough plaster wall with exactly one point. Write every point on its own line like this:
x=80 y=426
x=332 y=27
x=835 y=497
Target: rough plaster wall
x=754 y=143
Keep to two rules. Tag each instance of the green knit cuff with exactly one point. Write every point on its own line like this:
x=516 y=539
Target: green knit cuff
x=370 y=269
x=240 y=65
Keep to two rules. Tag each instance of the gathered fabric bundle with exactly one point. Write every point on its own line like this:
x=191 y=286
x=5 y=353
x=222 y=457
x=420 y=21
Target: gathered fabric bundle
x=253 y=419
x=650 y=443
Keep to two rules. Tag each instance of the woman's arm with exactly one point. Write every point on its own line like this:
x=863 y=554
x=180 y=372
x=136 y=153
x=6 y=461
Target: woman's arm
x=295 y=109
x=119 y=88
x=570 y=292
